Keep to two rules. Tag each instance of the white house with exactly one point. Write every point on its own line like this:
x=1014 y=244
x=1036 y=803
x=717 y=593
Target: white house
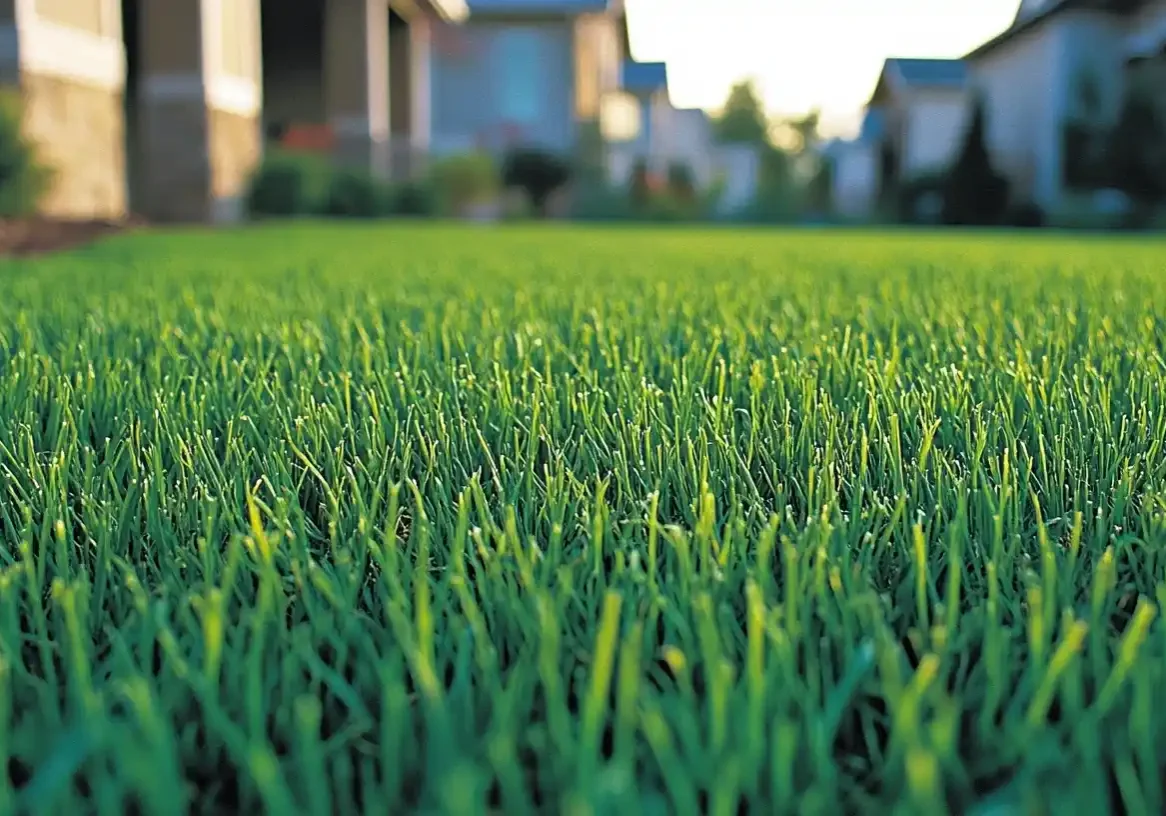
x=667 y=135
x=856 y=177
x=1029 y=77
x=912 y=126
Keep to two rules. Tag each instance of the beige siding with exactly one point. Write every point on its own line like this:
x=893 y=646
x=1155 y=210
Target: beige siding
x=93 y=16
x=240 y=40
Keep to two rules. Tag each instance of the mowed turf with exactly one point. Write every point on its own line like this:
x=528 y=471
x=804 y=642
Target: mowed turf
x=317 y=519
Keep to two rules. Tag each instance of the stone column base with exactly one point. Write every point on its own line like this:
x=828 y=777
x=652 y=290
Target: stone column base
x=236 y=148
x=79 y=133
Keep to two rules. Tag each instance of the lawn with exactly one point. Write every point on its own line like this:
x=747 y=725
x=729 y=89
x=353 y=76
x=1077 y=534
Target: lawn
x=439 y=519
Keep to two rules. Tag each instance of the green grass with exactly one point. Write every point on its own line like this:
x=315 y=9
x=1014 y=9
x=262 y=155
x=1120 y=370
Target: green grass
x=329 y=519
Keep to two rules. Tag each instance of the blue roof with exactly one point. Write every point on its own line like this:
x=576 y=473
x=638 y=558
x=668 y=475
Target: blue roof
x=644 y=76
x=536 y=6
x=943 y=72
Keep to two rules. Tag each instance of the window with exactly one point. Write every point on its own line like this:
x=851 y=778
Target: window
x=520 y=74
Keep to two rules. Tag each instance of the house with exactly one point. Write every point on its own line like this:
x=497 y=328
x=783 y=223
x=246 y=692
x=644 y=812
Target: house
x=911 y=127
x=523 y=72
x=1030 y=78
x=159 y=106
x=857 y=165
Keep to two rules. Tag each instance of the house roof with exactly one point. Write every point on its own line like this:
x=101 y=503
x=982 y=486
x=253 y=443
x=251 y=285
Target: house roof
x=644 y=76
x=929 y=72
x=537 y=6
x=1035 y=13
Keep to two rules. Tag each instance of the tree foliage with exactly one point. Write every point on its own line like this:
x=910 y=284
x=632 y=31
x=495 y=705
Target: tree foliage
x=743 y=119
x=1137 y=144
x=974 y=192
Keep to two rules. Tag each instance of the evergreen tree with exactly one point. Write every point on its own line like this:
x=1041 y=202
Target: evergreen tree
x=743 y=120
x=974 y=192
x=1137 y=146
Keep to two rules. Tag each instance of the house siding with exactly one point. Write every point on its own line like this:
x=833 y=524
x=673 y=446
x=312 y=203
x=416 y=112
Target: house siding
x=467 y=87
x=1024 y=89
x=934 y=125
x=855 y=180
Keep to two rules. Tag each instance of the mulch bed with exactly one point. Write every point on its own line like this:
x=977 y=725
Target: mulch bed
x=40 y=236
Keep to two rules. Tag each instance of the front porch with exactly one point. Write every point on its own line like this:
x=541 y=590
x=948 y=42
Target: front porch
x=164 y=107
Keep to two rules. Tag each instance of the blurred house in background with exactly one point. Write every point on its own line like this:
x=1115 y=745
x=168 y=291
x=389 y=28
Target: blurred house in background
x=857 y=166
x=523 y=73
x=1030 y=78
x=665 y=138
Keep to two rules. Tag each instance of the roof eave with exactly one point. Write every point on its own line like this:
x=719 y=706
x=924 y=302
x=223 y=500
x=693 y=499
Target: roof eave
x=453 y=11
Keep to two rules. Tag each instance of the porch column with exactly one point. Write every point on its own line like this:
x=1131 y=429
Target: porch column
x=67 y=63
x=421 y=83
x=356 y=81
x=201 y=107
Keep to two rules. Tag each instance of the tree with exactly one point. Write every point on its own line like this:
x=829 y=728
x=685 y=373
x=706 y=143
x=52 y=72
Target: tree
x=974 y=193
x=1083 y=136
x=743 y=120
x=804 y=130
x=1137 y=146
x=537 y=173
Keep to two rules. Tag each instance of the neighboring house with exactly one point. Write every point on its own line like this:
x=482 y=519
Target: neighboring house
x=646 y=84
x=912 y=127
x=523 y=72
x=856 y=176
x=923 y=105
x=1029 y=77
x=667 y=136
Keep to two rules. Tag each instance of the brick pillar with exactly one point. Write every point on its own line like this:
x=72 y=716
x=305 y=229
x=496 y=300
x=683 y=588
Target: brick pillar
x=356 y=81
x=67 y=62
x=201 y=107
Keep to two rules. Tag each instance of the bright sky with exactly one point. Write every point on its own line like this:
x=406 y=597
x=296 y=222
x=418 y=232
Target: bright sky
x=802 y=53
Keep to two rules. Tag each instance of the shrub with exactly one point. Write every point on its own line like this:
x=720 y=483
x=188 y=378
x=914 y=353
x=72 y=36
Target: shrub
x=640 y=185
x=458 y=182
x=681 y=184
x=1025 y=215
x=288 y=184
x=920 y=198
x=538 y=173
x=1136 y=150
x=23 y=180
x=412 y=199
x=599 y=201
x=974 y=193
x=355 y=194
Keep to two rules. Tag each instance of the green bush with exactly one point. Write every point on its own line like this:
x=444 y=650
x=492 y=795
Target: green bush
x=412 y=199
x=458 y=182
x=23 y=180
x=537 y=173
x=682 y=184
x=289 y=184
x=356 y=194
x=975 y=194
x=599 y=201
